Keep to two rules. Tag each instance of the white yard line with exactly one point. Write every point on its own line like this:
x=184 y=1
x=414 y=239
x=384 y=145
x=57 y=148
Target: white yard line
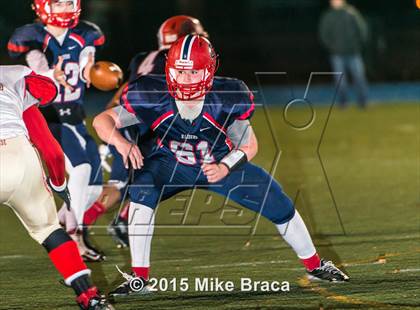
x=12 y=256
x=174 y=260
x=241 y=264
x=408 y=270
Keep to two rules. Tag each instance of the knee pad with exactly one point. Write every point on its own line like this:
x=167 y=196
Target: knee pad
x=278 y=208
x=283 y=217
x=54 y=238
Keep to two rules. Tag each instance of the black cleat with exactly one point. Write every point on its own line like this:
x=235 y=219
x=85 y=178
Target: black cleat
x=119 y=231
x=327 y=272
x=131 y=286
x=91 y=300
x=88 y=255
x=92 y=254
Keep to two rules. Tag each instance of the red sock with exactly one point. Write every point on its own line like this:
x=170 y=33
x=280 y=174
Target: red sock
x=124 y=212
x=312 y=262
x=92 y=214
x=142 y=272
x=67 y=260
x=86 y=296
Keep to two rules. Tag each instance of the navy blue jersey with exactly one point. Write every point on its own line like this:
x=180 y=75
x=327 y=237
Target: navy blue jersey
x=205 y=139
x=68 y=105
x=147 y=63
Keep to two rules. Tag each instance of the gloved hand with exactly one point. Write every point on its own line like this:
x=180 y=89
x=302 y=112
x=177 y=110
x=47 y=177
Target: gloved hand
x=62 y=191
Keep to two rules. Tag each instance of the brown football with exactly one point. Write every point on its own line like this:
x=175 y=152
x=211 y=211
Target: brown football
x=106 y=76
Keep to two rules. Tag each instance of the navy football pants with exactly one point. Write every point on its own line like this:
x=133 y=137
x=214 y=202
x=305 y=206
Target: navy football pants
x=250 y=186
x=79 y=147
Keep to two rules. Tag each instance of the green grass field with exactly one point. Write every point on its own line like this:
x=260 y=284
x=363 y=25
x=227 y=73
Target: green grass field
x=372 y=163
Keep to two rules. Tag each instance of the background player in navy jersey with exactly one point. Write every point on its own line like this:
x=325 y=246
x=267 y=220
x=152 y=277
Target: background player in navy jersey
x=63 y=48
x=142 y=64
x=205 y=140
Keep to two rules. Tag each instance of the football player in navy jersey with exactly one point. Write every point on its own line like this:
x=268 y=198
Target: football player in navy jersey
x=205 y=140
x=63 y=48
x=142 y=64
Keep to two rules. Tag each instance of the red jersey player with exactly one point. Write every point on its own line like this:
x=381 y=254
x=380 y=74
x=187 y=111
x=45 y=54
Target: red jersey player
x=22 y=183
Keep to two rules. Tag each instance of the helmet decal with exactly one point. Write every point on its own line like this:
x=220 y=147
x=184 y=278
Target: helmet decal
x=186 y=46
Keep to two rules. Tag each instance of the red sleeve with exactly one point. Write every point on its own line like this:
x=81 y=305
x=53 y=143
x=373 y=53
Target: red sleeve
x=45 y=143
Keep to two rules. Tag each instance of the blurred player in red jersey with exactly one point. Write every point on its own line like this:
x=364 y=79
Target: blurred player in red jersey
x=63 y=48
x=22 y=183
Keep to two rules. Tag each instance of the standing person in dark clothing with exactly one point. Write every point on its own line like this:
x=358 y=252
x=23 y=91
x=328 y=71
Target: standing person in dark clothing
x=343 y=32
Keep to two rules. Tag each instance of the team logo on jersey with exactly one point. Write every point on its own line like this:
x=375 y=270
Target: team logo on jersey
x=64 y=112
x=189 y=137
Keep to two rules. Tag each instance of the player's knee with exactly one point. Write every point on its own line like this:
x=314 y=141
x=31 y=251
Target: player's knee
x=282 y=216
x=144 y=191
x=145 y=196
x=279 y=207
x=40 y=234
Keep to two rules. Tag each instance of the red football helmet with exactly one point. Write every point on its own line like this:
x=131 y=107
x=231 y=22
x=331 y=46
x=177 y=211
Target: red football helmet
x=176 y=27
x=42 y=9
x=191 y=52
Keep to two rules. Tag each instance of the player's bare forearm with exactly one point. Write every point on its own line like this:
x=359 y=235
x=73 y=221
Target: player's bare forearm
x=105 y=125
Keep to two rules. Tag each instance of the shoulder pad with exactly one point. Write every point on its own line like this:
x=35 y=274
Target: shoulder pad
x=12 y=74
x=91 y=33
x=24 y=39
x=236 y=97
x=146 y=91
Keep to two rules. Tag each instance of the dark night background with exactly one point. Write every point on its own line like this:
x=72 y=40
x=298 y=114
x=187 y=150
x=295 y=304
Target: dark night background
x=249 y=35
